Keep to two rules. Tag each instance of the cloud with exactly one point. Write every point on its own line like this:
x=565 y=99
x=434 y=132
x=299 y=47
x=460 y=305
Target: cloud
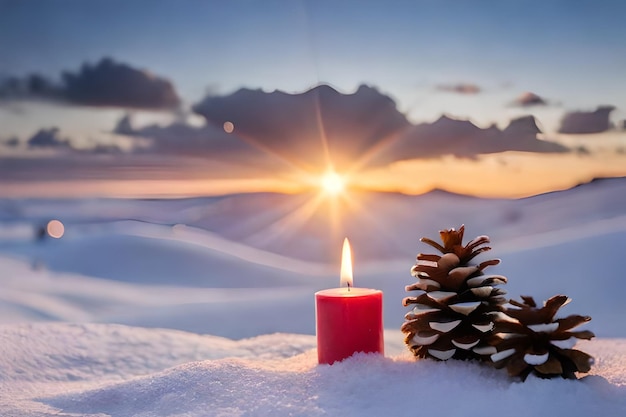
x=30 y=87
x=118 y=85
x=364 y=127
x=463 y=139
x=180 y=138
x=311 y=129
x=462 y=88
x=105 y=84
x=51 y=138
x=11 y=142
x=580 y=122
x=48 y=138
x=528 y=99
x=124 y=126
x=582 y=150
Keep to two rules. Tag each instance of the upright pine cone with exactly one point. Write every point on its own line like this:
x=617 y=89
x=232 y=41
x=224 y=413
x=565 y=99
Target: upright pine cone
x=454 y=313
x=531 y=340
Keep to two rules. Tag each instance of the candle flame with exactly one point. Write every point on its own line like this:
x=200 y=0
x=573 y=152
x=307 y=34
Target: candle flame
x=346 y=265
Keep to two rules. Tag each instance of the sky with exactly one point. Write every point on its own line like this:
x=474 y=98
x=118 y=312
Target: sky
x=131 y=98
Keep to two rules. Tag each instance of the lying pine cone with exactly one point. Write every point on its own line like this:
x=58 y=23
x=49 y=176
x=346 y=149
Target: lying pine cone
x=531 y=340
x=453 y=315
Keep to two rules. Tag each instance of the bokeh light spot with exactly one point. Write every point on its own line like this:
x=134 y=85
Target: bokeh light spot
x=55 y=229
x=229 y=127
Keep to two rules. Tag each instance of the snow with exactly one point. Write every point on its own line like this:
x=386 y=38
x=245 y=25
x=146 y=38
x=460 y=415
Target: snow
x=169 y=308
x=104 y=369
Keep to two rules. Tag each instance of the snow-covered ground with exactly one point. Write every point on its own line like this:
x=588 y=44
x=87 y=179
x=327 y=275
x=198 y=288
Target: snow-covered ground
x=112 y=370
x=204 y=306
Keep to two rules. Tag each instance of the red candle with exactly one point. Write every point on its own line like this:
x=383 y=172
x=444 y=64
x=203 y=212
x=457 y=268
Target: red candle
x=348 y=319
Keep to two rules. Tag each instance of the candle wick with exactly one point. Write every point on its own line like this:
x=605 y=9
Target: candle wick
x=349 y=287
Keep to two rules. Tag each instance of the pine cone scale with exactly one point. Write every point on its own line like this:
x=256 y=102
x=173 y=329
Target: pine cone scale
x=572 y=321
x=433 y=244
x=583 y=334
x=551 y=366
x=516 y=365
x=582 y=360
x=542 y=344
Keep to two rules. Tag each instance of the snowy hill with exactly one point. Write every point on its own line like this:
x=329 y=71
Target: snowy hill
x=181 y=259
x=298 y=226
x=240 y=272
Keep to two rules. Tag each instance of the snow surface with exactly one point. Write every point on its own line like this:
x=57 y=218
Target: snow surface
x=204 y=306
x=103 y=369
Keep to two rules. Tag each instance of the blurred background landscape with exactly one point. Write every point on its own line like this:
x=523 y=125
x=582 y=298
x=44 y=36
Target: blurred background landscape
x=167 y=163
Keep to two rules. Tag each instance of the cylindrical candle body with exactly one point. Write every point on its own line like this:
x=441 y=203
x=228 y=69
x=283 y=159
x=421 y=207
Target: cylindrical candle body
x=348 y=321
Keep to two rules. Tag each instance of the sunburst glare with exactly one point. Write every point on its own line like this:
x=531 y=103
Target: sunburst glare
x=332 y=183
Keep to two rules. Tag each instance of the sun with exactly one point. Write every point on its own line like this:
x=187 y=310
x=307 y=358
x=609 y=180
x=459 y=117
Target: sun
x=332 y=183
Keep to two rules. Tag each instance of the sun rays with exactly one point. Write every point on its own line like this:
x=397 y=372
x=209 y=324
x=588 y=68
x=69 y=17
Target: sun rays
x=332 y=183
x=322 y=218
x=328 y=174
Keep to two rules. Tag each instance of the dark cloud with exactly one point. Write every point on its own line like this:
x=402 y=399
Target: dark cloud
x=313 y=129
x=180 y=138
x=48 y=138
x=582 y=150
x=528 y=99
x=462 y=88
x=463 y=139
x=105 y=84
x=51 y=139
x=124 y=126
x=11 y=142
x=309 y=129
x=581 y=122
x=525 y=126
x=118 y=85
x=360 y=127
x=101 y=148
x=29 y=87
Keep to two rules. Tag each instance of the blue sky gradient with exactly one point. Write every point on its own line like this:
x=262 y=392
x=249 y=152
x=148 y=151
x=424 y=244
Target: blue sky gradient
x=291 y=45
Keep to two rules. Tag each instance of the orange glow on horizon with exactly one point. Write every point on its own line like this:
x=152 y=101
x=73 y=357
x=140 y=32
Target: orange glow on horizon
x=513 y=175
